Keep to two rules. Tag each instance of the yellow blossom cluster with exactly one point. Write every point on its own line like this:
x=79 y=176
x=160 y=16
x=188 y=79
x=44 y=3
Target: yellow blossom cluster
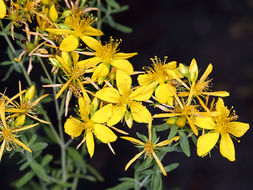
x=100 y=78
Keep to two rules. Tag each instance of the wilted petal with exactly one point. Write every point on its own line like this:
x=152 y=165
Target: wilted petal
x=227 y=148
x=133 y=140
x=206 y=142
x=133 y=159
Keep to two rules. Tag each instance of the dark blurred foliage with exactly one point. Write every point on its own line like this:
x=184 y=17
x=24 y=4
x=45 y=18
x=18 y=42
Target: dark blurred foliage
x=216 y=31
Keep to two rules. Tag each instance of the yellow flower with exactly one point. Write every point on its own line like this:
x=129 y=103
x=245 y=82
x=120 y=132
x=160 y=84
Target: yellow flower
x=149 y=149
x=164 y=76
x=223 y=125
x=8 y=133
x=26 y=105
x=91 y=124
x=2 y=9
x=81 y=27
x=200 y=87
x=107 y=55
x=126 y=97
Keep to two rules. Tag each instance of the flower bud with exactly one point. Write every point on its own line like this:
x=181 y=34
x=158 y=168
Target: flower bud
x=181 y=121
x=193 y=70
x=171 y=120
x=183 y=69
x=20 y=120
x=30 y=93
x=129 y=119
x=94 y=105
x=54 y=62
x=66 y=13
x=53 y=15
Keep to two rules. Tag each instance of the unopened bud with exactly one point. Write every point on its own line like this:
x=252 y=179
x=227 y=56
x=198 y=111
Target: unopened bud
x=53 y=14
x=94 y=104
x=181 y=121
x=129 y=119
x=30 y=93
x=183 y=69
x=171 y=120
x=54 y=61
x=193 y=70
x=20 y=120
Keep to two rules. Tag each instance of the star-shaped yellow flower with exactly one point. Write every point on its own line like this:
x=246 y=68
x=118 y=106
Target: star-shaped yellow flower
x=108 y=56
x=223 y=125
x=79 y=28
x=91 y=124
x=8 y=133
x=126 y=97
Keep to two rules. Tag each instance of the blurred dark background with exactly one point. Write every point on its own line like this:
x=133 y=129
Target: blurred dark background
x=216 y=31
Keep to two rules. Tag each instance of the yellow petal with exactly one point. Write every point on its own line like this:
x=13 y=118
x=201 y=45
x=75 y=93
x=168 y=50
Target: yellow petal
x=70 y=43
x=91 y=42
x=123 y=65
x=103 y=114
x=205 y=122
x=163 y=93
x=206 y=73
x=100 y=71
x=59 y=31
x=2 y=112
x=159 y=164
x=206 y=142
x=193 y=70
x=133 y=159
x=90 y=143
x=104 y=134
x=90 y=31
x=227 y=148
x=73 y=127
x=63 y=88
x=168 y=141
x=133 y=140
x=124 y=82
x=143 y=93
x=217 y=93
x=117 y=115
x=21 y=144
x=109 y=94
x=2 y=9
x=139 y=112
x=2 y=149
x=145 y=79
x=221 y=108
x=192 y=125
x=91 y=62
x=238 y=128
x=124 y=55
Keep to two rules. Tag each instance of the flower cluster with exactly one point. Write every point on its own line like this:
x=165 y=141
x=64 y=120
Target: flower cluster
x=100 y=78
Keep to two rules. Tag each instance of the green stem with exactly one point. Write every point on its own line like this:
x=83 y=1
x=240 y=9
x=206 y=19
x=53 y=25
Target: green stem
x=76 y=179
x=59 y=114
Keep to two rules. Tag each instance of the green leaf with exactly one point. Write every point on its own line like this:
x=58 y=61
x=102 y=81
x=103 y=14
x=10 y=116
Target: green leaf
x=123 y=186
x=24 y=166
x=184 y=143
x=113 y=4
x=24 y=179
x=38 y=146
x=162 y=127
x=46 y=159
x=171 y=167
x=142 y=137
x=121 y=9
x=194 y=139
x=75 y=155
x=8 y=73
x=156 y=182
x=118 y=26
x=4 y=63
x=39 y=170
x=167 y=149
x=173 y=131
x=147 y=163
